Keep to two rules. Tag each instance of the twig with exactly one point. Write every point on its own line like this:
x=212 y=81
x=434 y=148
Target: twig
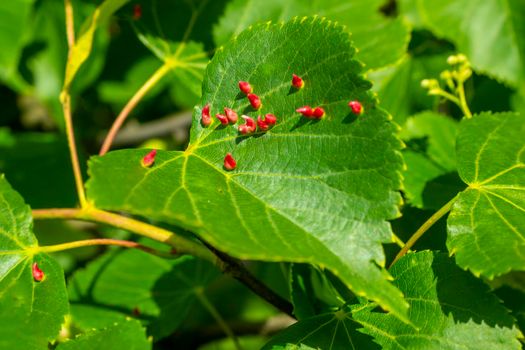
x=132 y=103
x=70 y=24
x=233 y=268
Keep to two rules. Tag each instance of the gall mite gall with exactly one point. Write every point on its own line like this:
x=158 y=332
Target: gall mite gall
x=231 y=115
x=255 y=101
x=270 y=119
x=248 y=126
x=229 y=162
x=206 y=118
x=297 y=81
x=223 y=119
x=263 y=126
x=149 y=158
x=318 y=113
x=137 y=12
x=356 y=107
x=306 y=111
x=245 y=87
x=38 y=274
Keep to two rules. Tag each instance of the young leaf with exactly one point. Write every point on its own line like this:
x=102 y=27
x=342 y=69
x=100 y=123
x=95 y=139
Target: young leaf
x=84 y=43
x=160 y=292
x=381 y=41
x=124 y=335
x=486 y=228
x=31 y=311
x=489 y=32
x=304 y=191
x=449 y=309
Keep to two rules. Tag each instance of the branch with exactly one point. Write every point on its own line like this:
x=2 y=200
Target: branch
x=182 y=245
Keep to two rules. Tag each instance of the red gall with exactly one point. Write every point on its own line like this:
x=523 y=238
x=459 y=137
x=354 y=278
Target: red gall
x=318 y=113
x=270 y=119
x=248 y=126
x=356 y=107
x=245 y=87
x=306 y=111
x=38 y=274
x=229 y=162
x=149 y=158
x=137 y=12
x=297 y=81
x=255 y=101
x=263 y=126
x=222 y=118
x=206 y=117
x=231 y=115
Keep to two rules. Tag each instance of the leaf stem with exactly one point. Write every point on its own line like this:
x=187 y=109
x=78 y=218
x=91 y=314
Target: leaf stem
x=199 y=292
x=132 y=103
x=70 y=26
x=463 y=101
x=105 y=241
x=181 y=244
x=79 y=183
x=424 y=228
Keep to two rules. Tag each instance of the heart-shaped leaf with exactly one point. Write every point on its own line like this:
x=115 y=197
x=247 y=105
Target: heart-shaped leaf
x=486 y=228
x=317 y=191
x=31 y=311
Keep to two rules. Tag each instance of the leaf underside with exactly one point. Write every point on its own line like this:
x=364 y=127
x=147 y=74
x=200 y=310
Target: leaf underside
x=305 y=191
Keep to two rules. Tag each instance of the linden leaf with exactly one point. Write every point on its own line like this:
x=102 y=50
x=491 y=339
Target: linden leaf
x=31 y=312
x=305 y=191
x=486 y=227
x=450 y=309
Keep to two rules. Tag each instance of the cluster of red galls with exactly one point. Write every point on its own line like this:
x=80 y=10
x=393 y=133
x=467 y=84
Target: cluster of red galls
x=249 y=126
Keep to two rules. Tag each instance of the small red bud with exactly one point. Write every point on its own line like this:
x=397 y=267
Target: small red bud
x=231 y=115
x=223 y=119
x=356 y=107
x=263 y=126
x=38 y=274
x=318 y=113
x=206 y=118
x=245 y=87
x=255 y=101
x=149 y=158
x=229 y=162
x=306 y=111
x=248 y=126
x=136 y=311
x=297 y=81
x=137 y=12
x=270 y=119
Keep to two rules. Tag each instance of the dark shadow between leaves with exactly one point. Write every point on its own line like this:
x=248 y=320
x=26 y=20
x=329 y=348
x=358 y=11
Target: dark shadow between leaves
x=349 y=118
x=440 y=190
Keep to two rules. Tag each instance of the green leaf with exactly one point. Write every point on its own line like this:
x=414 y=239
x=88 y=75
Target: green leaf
x=381 y=41
x=486 y=227
x=489 y=32
x=15 y=15
x=301 y=191
x=160 y=292
x=84 y=43
x=125 y=335
x=335 y=330
x=449 y=309
x=430 y=177
x=30 y=312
